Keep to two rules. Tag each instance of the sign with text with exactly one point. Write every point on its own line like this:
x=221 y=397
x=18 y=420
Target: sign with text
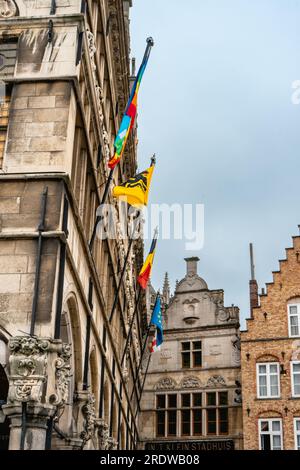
x=195 y=446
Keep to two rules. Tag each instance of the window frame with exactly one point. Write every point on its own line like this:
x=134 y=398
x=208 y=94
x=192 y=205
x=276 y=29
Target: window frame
x=191 y=353
x=268 y=384
x=216 y=407
x=289 y=319
x=166 y=410
x=296 y=432
x=270 y=433
x=190 y=409
x=294 y=395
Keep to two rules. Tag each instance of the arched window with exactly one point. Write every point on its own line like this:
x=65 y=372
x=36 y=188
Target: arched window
x=70 y=334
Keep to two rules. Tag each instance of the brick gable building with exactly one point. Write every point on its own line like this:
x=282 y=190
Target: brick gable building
x=270 y=359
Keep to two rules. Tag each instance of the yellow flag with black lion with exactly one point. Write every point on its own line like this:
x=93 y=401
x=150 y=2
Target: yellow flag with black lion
x=135 y=191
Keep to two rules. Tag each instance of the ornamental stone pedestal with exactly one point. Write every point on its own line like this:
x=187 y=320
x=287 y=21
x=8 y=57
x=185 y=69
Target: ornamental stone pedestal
x=39 y=375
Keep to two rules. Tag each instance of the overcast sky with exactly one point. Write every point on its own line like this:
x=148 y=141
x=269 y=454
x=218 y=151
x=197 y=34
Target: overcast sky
x=215 y=105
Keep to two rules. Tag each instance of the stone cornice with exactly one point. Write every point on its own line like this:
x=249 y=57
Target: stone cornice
x=38 y=21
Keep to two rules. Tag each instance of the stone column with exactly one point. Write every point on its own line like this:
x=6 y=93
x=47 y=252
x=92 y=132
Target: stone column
x=36 y=422
x=39 y=374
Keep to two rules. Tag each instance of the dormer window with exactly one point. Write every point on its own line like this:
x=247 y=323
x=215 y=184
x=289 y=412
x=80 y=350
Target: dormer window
x=294 y=320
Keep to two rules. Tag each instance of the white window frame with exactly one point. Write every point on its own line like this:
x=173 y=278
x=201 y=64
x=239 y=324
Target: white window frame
x=289 y=319
x=292 y=379
x=296 y=433
x=271 y=433
x=267 y=364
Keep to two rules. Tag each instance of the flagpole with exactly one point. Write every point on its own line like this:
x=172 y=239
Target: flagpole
x=144 y=381
x=131 y=324
x=144 y=347
x=123 y=271
x=150 y=44
x=98 y=218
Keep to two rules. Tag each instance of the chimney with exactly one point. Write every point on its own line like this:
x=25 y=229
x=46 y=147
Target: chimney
x=191 y=265
x=253 y=287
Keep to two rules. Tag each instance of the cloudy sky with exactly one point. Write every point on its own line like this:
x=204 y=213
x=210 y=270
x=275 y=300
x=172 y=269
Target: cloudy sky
x=215 y=105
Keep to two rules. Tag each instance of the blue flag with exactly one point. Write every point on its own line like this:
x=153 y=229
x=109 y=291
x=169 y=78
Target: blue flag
x=157 y=321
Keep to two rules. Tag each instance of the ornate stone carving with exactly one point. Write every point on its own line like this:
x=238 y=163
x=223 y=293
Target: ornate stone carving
x=125 y=374
x=89 y=413
x=166 y=383
x=32 y=361
x=63 y=374
x=216 y=381
x=222 y=315
x=28 y=360
x=103 y=434
x=99 y=95
x=8 y=8
x=236 y=349
x=166 y=353
x=190 y=382
x=112 y=444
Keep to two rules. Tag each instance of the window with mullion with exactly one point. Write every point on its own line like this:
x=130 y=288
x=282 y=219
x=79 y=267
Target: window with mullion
x=268 y=384
x=295 y=374
x=270 y=434
x=166 y=415
x=297 y=433
x=191 y=354
x=191 y=414
x=294 y=320
x=217 y=413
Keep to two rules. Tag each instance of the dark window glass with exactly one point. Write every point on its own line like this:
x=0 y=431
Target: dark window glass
x=186 y=361
x=197 y=345
x=161 y=401
x=185 y=346
x=223 y=420
x=185 y=422
x=197 y=422
x=197 y=359
x=160 y=419
x=197 y=399
x=186 y=399
x=211 y=399
x=265 y=442
x=211 y=421
x=172 y=423
x=223 y=398
x=172 y=401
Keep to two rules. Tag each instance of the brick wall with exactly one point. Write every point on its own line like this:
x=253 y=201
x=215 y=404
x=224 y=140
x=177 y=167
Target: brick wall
x=267 y=340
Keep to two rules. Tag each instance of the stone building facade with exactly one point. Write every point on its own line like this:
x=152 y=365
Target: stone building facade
x=65 y=67
x=192 y=396
x=270 y=358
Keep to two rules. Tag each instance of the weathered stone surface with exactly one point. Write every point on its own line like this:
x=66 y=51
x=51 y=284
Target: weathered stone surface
x=41 y=102
x=192 y=315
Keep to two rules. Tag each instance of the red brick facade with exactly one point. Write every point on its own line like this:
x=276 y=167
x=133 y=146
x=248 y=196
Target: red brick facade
x=268 y=342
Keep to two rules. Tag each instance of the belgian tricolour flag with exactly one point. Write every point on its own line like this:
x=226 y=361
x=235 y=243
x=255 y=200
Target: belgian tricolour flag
x=145 y=273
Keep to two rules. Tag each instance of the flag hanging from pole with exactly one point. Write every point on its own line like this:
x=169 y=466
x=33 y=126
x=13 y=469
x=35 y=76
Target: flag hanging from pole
x=130 y=111
x=157 y=321
x=145 y=272
x=136 y=190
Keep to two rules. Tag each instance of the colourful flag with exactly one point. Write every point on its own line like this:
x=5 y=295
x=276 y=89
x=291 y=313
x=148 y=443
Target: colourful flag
x=130 y=111
x=136 y=190
x=145 y=273
x=157 y=321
